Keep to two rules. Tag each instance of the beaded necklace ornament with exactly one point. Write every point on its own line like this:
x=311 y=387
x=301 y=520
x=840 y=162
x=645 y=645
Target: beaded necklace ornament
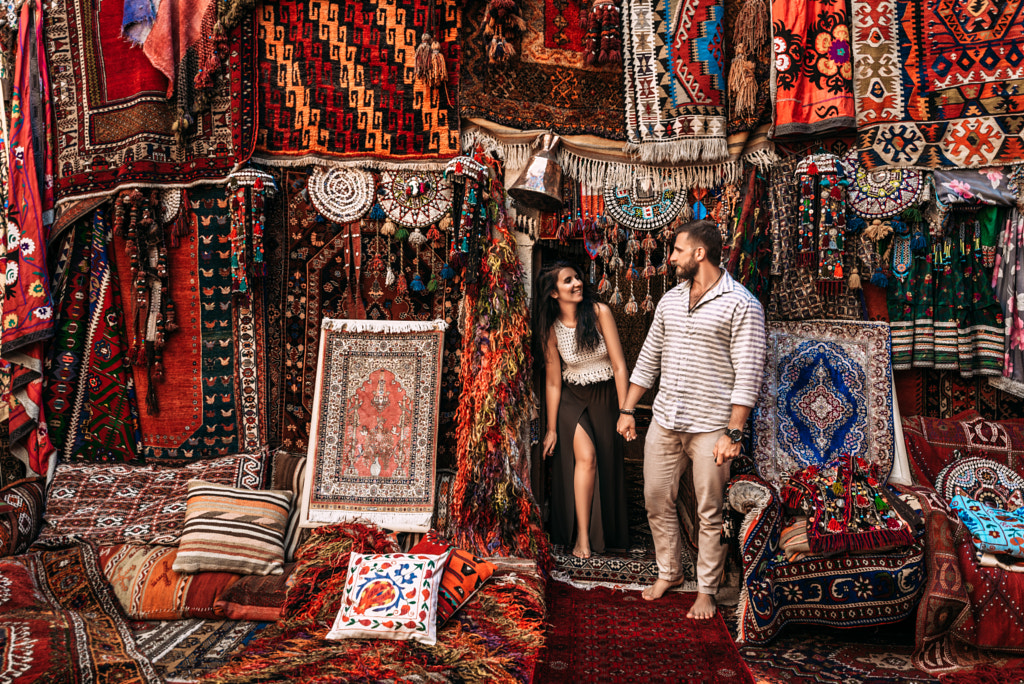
x=881 y=193
x=248 y=192
x=415 y=199
x=342 y=195
x=602 y=43
x=641 y=207
x=821 y=236
x=136 y=221
x=472 y=174
x=172 y=214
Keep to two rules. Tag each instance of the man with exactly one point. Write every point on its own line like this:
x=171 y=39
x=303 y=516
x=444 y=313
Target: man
x=707 y=342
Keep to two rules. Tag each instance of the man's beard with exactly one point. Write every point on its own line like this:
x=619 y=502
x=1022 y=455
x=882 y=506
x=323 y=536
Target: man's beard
x=687 y=271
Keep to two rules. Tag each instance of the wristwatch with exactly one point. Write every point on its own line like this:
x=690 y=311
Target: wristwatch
x=735 y=435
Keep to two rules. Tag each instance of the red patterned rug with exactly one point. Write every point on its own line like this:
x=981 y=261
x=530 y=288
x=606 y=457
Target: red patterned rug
x=608 y=636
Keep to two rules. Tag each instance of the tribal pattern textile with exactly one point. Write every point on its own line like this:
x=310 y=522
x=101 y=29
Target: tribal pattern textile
x=62 y=623
x=114 y=123
x=549 y=85
x=933 y=443
x=638 y=210
x=208 y=402
x=675 y=80
x=90 y=394
x=827 y=390
x=186 y=650
x=1009 y=292
x=882 y=193
x=937 y=82
x=375 y=422
x=843 y=591
x=336 y=83
x=415 y=199
x=813 y=88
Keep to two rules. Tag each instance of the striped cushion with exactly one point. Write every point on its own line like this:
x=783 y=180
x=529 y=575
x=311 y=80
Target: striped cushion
x=233 y=530
x=288 y=474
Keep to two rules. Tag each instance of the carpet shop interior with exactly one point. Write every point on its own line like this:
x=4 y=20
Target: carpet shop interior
x=273 y=392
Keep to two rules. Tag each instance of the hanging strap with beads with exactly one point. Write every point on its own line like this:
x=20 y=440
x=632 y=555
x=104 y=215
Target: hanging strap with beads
x=248 y=190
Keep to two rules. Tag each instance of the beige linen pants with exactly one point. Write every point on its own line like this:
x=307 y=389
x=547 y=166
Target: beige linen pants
x=666 y=455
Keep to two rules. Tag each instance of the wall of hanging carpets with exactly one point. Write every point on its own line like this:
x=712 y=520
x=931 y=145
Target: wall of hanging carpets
x=114 y=124
x=193 y=378
x=549 y=81
x=338 y=82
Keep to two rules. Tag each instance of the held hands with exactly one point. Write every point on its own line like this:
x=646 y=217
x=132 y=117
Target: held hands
x=725 y=450
x=550 y=440
x=626 y=427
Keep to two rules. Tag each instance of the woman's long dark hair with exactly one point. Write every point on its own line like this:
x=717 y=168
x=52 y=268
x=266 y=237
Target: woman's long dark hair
x=546 y=311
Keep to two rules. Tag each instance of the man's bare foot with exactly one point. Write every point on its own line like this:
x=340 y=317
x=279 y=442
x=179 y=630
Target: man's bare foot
x=703 y=608
x=658 y=589
x=581 y=551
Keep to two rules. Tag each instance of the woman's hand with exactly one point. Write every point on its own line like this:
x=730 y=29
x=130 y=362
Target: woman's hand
x=626 y=427
x=550 y=440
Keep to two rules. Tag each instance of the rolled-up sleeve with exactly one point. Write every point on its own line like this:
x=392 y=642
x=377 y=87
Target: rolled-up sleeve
x=749 y=345
x=648 y=363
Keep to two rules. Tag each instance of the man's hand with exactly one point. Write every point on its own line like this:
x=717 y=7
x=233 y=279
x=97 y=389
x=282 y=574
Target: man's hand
x=626 y=427
x=550 y=440
x=725 y=450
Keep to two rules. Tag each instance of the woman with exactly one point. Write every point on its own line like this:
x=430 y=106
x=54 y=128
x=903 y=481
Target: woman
x=586 y=383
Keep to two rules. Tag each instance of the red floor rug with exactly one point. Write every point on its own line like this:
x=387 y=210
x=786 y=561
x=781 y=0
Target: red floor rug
x=606 y=636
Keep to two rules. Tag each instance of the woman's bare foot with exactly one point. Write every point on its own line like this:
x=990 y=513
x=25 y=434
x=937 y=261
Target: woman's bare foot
x=581 y=551
x=658 y=589
x=703 y=608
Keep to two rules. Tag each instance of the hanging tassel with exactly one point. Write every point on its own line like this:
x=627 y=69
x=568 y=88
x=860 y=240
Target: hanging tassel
x=854 y=225
x=742 y=86
x=377 y=214
x=878 y=278
x=438 y=74
x=432 y=285
x=400 y=285
x=605 y=286
x=854 y=281
x=447 y=273
x=616 y=298
x=417 y=283
x=388 y=229
x=402 y=233
x=417 y=239
x=918 y=242
x=631 y=306
x=752 y=26
x=389 y=277
x=422 y=59
x=648 y=304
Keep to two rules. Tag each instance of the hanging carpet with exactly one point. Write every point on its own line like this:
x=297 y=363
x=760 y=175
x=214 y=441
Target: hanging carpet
x=375 y=424
x=675 y=85
x=62 y=623
x=336 y=83
x=90 y=395
x=114 y=120
x=211 y=379
x=602 y=635
x=549 y=84
x=938 y=82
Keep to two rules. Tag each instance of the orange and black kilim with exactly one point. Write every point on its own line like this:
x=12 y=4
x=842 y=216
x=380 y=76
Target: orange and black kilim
x=337 y=81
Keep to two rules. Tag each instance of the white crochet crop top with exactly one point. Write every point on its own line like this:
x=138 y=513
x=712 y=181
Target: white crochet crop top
x=582 y=367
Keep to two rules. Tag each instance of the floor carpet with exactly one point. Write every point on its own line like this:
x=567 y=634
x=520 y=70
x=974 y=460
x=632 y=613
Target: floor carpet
x=185 y=650
x=607 y=636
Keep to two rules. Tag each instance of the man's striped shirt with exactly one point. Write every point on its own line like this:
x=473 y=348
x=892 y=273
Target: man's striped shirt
x=709 y=358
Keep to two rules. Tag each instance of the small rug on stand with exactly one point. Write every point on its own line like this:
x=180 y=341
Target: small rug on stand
x=375 y=420
x=917 y=106
x=184 y=650
x=812 y=655
x=602 y=635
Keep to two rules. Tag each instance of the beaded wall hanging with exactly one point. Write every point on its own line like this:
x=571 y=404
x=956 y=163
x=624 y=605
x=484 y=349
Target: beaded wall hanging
x=415 y=199
x=342 y=195
x=248 y=189
x=643 y=208
x=822 y=224
x=881 y=193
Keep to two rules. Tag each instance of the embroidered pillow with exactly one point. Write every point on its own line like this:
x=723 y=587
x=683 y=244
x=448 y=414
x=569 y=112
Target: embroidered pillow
x=992 y=530
x=233 y=530
x=464 y=574
x=847 y=510
x=116 y=503
x=256 y=597
x=390 y=596
x=22 y=514
x=148 y=588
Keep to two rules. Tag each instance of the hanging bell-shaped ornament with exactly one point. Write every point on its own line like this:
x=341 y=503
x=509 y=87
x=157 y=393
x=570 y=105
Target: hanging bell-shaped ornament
x=539 y=186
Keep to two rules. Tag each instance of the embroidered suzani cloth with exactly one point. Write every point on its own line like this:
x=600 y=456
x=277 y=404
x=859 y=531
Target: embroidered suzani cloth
x=992 y=530
x=675 y=85
x=937 y=82
x=373 y=437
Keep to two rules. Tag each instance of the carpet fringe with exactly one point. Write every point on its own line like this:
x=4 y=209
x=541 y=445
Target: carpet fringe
x=564 y=578
x=371 y=326
x=683 y=150
x=360 y=163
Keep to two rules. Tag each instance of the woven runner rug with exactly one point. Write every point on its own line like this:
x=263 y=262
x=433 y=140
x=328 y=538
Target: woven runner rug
x=602 y=635
x=548 y=85
x=185 y=650
x=90 y=398
x=208 y=402
x=375 y=421
x=114 y=120
x=938 y=82
x=311 y=275
x=675 y=85
x=336 y=83
x=61 y=622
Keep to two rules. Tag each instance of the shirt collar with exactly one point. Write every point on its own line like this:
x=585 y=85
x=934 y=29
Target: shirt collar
x=725 y=284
